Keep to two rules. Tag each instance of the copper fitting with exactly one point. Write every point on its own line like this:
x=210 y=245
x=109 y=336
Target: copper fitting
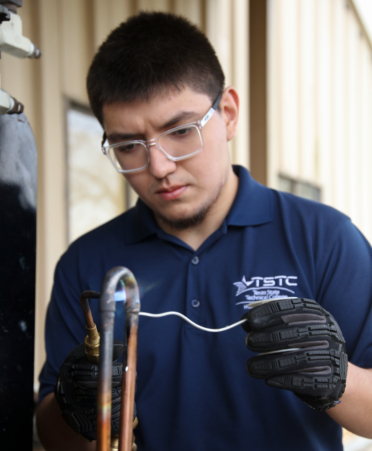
x=92 y=339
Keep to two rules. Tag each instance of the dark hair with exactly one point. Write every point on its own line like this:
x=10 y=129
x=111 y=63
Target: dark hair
x=148 y=54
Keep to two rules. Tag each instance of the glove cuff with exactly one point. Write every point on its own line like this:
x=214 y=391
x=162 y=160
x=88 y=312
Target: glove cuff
x=319 y=403
x=323 y=403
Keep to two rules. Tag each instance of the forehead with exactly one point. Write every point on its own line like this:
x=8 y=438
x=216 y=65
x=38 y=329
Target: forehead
x=154 y=112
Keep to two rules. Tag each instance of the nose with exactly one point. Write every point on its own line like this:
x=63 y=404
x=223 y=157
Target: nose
x=159 y=165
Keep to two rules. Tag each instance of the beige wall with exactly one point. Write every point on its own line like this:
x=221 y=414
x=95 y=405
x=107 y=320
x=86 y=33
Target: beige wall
x=320 y=102
x=68 y=32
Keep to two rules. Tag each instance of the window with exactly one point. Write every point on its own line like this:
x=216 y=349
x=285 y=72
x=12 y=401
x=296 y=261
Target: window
x=95 y=190
x=303 y=189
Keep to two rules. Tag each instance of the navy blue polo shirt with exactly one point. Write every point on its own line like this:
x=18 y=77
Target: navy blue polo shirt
x=193 y=392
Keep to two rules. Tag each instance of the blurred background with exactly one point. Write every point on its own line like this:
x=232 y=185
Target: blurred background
x=303 y=69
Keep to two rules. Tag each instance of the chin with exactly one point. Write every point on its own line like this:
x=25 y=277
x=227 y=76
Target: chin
x=184 y=221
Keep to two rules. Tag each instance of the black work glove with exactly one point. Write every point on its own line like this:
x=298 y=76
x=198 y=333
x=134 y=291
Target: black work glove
x=76 y=391
x=316 y=373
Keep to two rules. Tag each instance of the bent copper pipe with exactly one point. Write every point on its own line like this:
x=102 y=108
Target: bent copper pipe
x=107 y=307
x=84 y=300
x=132 y=309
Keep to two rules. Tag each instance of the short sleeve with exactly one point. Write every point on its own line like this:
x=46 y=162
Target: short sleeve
x=65 y=327
x=345 y=288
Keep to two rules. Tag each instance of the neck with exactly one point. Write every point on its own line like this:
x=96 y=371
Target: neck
x=195 y=236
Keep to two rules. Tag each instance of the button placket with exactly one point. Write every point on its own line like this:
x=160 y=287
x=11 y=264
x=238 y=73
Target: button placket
x=194 y=293
x=195 y=303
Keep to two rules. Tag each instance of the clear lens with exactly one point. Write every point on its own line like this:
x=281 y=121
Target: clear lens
x=181 y=141
x=177 y=143
x=129 y=155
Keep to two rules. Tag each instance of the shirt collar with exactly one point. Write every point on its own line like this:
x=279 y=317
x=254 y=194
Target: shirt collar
x=140 y=223
x=253 y=205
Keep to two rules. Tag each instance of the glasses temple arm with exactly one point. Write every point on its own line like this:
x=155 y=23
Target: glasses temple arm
x=217 y=101
x=212 y=109
x=104 y=137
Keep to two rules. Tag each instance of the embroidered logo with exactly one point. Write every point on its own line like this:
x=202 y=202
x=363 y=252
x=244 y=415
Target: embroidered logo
x=258 y=288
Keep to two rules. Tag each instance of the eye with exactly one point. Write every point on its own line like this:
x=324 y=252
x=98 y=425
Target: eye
x=128 y=148
x=182 y=132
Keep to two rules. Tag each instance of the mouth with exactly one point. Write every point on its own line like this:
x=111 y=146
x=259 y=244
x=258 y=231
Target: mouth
x=172 y=192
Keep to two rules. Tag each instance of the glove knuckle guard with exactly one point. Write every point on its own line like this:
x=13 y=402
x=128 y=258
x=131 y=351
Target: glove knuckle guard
x=76 y=392
x=316 y=370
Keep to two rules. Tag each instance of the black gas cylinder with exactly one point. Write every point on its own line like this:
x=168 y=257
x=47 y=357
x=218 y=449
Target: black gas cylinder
x=18 y=181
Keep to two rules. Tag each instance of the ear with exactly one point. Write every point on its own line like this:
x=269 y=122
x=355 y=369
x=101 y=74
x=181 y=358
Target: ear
x=229 y=106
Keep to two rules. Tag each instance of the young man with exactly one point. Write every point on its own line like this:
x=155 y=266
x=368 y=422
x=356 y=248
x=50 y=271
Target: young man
x=205 y=240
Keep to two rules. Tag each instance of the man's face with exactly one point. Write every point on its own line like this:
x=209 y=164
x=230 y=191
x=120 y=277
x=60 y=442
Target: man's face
x=181 y=193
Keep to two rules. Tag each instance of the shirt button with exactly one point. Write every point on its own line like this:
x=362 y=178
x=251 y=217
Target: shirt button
x=195 y=260
x=195 y=303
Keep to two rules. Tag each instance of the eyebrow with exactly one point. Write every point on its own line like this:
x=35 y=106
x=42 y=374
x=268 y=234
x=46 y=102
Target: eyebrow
x=183 y=115
x=117 y=137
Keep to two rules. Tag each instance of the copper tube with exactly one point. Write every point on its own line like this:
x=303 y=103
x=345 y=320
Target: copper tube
x=127 y=396
x=132 y=309
x=92 y=342
x=105 y=382
x=107 y=307
x=84 y=300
